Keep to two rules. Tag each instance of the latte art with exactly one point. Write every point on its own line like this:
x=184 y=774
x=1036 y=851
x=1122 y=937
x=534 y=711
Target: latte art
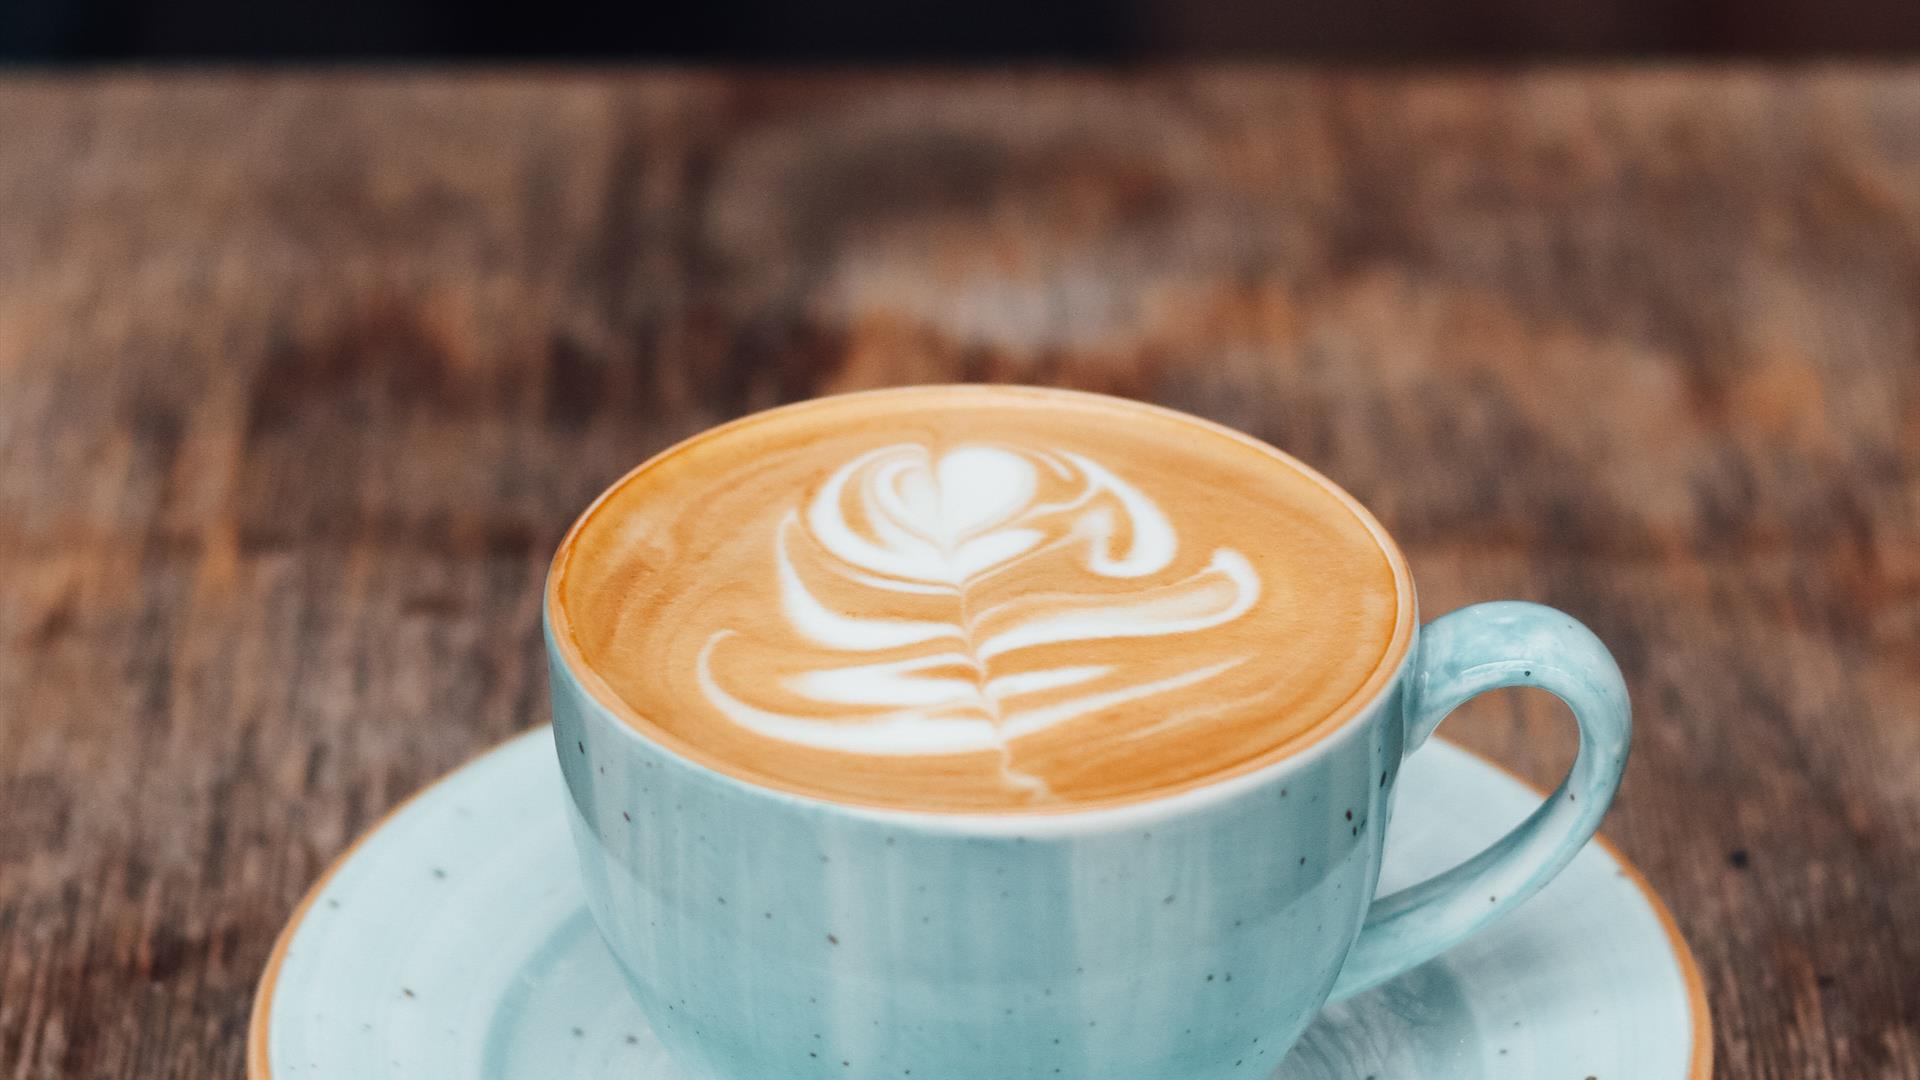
x=978 y=598
x=902 y=524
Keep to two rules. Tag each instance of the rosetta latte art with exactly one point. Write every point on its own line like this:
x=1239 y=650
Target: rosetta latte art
x=978 y=599
x=983 y=662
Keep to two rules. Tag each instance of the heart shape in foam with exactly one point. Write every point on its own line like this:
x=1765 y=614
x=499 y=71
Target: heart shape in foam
x=971 y=489
x=945 y=515
x=964 y=492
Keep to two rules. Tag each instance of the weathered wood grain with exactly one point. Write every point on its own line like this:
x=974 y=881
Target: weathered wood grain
x=301 y=378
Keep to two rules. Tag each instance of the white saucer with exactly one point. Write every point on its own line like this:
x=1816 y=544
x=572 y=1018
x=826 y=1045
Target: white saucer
x=452 y=942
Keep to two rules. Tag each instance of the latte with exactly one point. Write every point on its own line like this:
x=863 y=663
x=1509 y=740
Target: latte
x=979 y=599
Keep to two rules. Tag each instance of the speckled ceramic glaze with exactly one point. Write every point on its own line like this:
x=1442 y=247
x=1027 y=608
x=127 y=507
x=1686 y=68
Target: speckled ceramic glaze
x=453 y=942
x=770 y=936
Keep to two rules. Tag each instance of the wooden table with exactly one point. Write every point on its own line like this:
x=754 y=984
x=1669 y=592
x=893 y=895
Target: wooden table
x=302 y=377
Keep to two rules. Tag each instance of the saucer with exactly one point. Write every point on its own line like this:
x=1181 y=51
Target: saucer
x=453 y=941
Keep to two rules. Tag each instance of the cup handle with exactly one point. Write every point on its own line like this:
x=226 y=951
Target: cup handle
x=1462 y=654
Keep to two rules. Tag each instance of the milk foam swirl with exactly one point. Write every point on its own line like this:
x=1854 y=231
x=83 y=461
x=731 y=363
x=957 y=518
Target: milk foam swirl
x=907 y=521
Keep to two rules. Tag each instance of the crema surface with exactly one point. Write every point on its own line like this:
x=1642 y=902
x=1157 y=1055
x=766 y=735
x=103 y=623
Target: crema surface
x=979 y=599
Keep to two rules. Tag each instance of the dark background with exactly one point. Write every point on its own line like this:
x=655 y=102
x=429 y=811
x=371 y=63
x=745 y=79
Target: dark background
x=93 y=31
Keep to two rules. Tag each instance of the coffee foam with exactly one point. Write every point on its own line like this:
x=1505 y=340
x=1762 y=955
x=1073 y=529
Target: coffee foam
x=979 y=598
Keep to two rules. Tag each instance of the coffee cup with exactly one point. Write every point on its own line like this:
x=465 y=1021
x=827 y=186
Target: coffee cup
x=994 y=732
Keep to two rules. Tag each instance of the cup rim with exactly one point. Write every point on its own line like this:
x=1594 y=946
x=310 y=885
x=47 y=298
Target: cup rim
x=1155 y=804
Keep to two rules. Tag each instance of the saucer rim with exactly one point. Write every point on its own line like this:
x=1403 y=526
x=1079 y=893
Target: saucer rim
x=1700 y=1058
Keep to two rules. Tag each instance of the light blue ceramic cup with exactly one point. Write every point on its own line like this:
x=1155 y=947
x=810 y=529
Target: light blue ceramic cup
x=772 y=936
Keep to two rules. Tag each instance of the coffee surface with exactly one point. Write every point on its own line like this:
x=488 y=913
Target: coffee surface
x=977 y=599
